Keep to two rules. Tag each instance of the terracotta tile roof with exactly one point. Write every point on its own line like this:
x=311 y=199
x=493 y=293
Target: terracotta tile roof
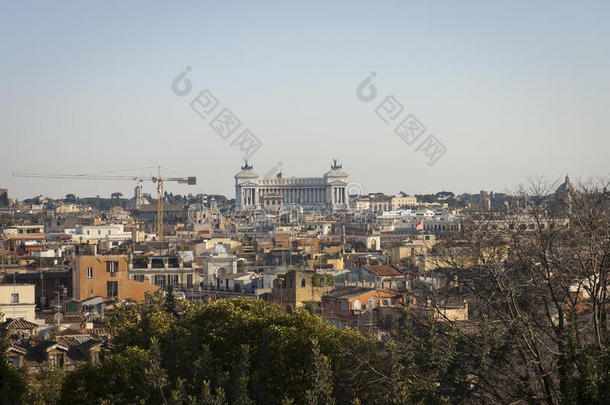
x=33 y=349
x=17 y=324
x=348 y=292
x=384 y=270
x=48 y=317
x=98 y=332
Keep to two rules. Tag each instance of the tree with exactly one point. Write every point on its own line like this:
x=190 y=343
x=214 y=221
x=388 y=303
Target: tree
x=321 y=383
x=241 y=372
x=70 y=199
x=199 y=344
x=155 y=373
x=121 y=377
x=170 y=300
x=540 y=274
x=44 y=387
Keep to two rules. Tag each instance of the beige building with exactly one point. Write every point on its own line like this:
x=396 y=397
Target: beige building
x=17 y=301
x=297 y=287
x=68 y=209
x=412 y=248
x=398 y=202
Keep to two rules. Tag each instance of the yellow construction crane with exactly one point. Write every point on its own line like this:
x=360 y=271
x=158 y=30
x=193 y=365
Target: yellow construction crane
x=159 y=179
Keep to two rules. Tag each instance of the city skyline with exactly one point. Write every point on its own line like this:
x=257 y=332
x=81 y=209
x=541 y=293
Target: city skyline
x=354 y=187
x=511 y=92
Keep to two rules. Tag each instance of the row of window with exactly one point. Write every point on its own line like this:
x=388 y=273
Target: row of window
x=111 y=267
x=99 y=232
x=357 y=305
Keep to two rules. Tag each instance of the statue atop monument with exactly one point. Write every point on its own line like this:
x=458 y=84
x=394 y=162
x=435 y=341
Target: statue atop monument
x=246 y=166
x=336 y=165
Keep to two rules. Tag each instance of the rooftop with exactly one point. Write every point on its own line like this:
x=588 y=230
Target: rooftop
x=348 y=292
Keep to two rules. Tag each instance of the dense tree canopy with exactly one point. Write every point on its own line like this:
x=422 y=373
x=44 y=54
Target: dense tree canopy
x=246 y=351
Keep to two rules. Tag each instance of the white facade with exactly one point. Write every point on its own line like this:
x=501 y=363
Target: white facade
x=407 y=220
x=218 y=262
x=110 y=232
x=326 y=193
x=49 y=253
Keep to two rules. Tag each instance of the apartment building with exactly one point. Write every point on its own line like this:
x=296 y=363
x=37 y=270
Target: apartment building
x=106 y=276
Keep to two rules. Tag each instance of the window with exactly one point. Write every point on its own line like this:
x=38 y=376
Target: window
x=344 y=305
x=139 y=277
x=189 y=280
x=302 y=282
x=99 y=232
x=14 y=298
x=112 y=267
x=357 y=305
x=89 y=272
x=172 y=279
x=160 y=280
x=112 y=288
x=56 y=359
x=14 y=360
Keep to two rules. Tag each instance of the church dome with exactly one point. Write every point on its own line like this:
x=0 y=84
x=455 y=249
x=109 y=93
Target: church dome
x=566 y=187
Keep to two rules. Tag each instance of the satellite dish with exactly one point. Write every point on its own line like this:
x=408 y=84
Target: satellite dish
x=58 y=317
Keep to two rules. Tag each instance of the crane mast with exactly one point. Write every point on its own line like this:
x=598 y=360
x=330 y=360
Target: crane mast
x=160 y=198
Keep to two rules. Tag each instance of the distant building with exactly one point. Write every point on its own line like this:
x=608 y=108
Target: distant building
x=565 y=188
x=217 y=263
x=374 y=276
x=68 y=209
x=175 y=270
x=138 y=201
x=19 y=235
x=243 y=283
x=48 y=285
x=399 y=202
x=17 y=301
x=362 y=203
x=356 y=307
x=298 y=287
x=380 y=202
x=485 y=200
x=114 y=234
x=326 y=193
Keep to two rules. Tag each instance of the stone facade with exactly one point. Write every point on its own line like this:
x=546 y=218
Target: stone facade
x=295 y=289
x=218 y=262
x=327 y=193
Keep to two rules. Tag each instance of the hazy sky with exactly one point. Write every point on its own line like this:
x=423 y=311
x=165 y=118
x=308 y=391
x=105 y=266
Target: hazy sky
x=511 y=91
